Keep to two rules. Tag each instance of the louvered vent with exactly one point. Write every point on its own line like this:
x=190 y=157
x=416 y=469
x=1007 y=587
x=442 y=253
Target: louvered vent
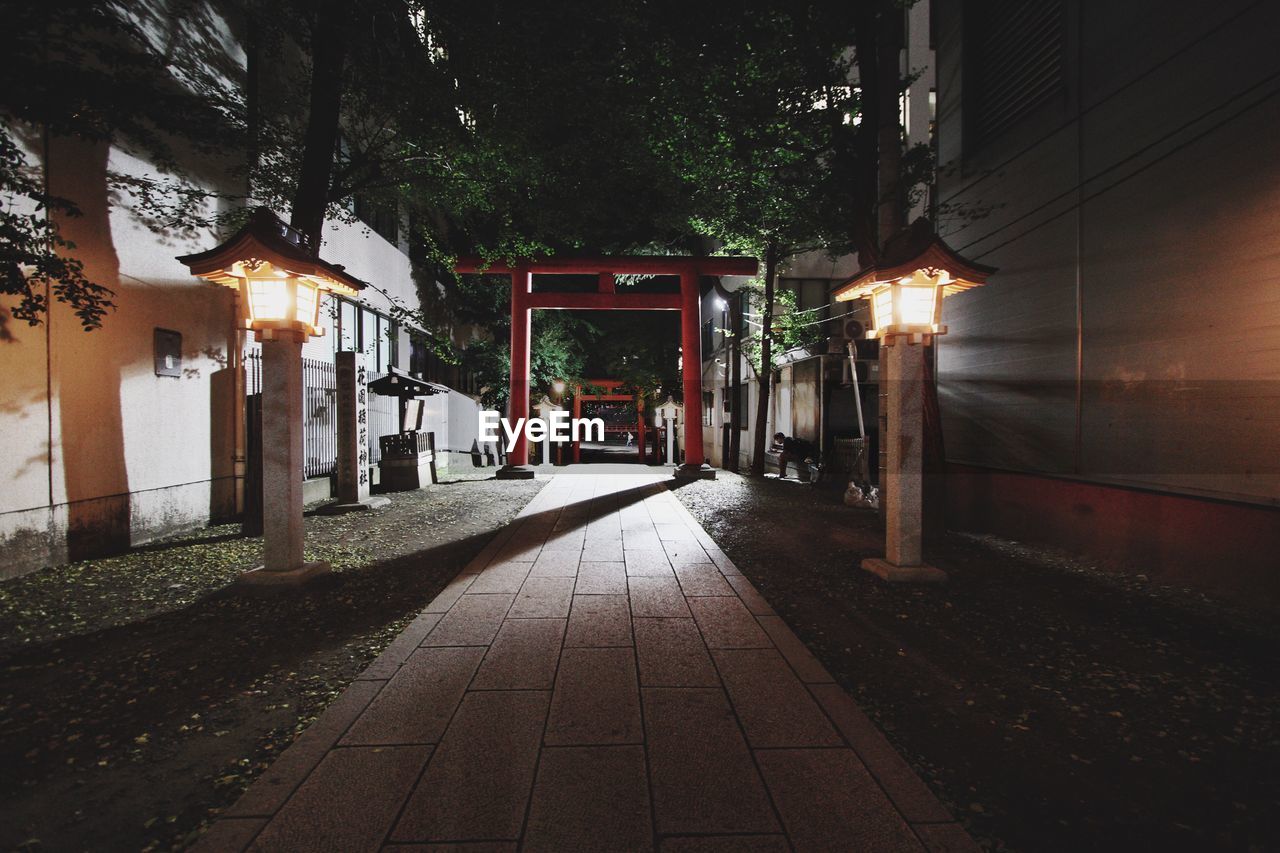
x=1015 y=61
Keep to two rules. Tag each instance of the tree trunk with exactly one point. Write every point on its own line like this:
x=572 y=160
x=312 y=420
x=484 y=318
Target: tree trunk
x=328 y=54
x=766 y=363
x=735 y=379
x=878 y=42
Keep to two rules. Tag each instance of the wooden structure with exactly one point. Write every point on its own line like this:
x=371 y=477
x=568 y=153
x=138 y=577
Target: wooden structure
x=609 y=395
x=606 y=297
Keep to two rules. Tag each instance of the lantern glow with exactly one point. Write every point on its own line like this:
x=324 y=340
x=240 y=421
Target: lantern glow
x=280 y=280
x=906 y=290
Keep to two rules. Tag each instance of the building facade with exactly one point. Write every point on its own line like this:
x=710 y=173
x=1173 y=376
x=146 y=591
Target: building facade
x=1113 y=389
x=137 y=429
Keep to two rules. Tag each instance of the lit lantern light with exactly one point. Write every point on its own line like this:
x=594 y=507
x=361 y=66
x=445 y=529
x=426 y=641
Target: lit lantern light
x=280 y=279
x=906 y=289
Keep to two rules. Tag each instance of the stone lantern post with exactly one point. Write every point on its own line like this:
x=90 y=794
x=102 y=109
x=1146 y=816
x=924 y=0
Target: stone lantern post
x=281 y=281
x=906 y=290
x=669 y=412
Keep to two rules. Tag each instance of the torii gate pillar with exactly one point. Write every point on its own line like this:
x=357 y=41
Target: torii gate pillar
x=695 y=466
x=517 y=467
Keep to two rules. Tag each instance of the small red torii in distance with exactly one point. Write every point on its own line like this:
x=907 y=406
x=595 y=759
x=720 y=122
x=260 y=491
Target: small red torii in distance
x=606 y=298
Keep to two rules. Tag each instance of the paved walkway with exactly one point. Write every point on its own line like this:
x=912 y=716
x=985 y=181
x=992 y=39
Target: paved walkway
x=599 y=678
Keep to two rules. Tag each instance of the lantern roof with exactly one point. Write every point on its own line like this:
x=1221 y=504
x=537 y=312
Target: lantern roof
x=398 y=383
x=268 y=239
x=917 y=247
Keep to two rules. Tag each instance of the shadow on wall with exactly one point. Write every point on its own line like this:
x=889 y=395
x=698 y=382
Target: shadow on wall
x=86 y=366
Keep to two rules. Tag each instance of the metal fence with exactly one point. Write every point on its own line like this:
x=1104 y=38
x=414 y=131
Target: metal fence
x=319 y=417
x=384 y=419
x=319 y=413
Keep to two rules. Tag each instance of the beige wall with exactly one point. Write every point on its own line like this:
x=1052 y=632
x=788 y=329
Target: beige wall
x=106 y=453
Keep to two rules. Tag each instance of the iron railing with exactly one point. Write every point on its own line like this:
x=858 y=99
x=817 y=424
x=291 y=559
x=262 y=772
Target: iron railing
x=319 y=419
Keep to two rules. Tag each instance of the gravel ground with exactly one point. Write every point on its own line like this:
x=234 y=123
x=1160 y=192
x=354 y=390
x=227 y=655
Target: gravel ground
x=1051 y=705
x=138 y=696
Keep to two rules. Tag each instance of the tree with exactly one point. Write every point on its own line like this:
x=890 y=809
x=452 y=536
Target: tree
x=760 y=111
x=98 y=73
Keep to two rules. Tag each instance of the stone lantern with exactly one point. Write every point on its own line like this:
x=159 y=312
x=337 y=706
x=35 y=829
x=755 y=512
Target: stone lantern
x=906 y=289
x=280 y=280
x=669 y=413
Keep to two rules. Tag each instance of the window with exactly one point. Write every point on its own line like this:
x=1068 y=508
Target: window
x=347 y=328
x=1013 y=52
x=369 y=335
x=380 y=215
x=708 y=407
x=385 y=344
x=744 y=415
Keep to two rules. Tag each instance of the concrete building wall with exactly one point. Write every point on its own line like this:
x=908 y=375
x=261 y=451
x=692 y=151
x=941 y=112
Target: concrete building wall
x=1129 y=340
x=107 y=453
x=104 y=453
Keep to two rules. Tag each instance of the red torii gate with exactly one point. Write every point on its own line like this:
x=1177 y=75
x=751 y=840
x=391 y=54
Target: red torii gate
x=688 y=302
x=610 y=395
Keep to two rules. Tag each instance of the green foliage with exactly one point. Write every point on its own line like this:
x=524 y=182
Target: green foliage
x=790 y=329
x=99 y=73
x=34 y=257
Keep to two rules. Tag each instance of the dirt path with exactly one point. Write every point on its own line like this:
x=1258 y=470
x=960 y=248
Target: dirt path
x=136 y=696
x=1052 y=706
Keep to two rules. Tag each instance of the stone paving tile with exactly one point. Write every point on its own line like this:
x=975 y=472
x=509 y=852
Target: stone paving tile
x=500 y=577
x=543 y=598
x=572 y=716
x=647 y=563
x=721 y=559
x=473 y=621
x=228 y=835
x=726 y=844
x=912 y=797
x=568 y=541
x=700 y=579
x=754 y=601
x=599 y=620
x=599 y=551
x=637 y=540
x=555 y=564
x=601 y=579
x=270 y=790
x=597 y=700
x=348 y=803
x=590 y=798
x=702 y=775
x=397 y=652
x=797 y=653
x=416 y=705
x=772 y=704
x=450 y=594
x=519 y=551
x=656 y=597
x=727 y=624
x=686 y=552
x=478 y=783
x=828 y=801
x=945 y=838
x=671 y=654
x=522 y=657
x=674 y=532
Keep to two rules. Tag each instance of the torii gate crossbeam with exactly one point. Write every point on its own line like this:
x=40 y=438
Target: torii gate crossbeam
x=688 y=302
